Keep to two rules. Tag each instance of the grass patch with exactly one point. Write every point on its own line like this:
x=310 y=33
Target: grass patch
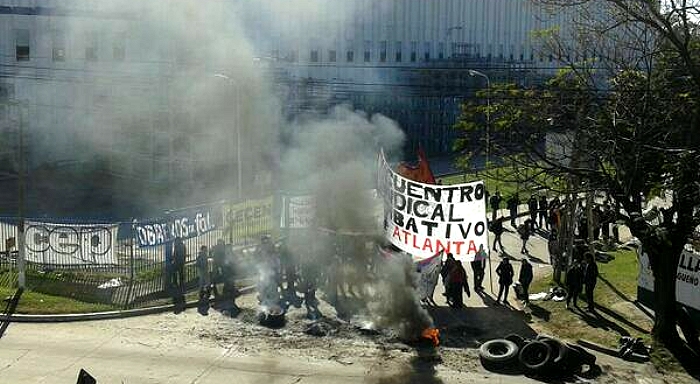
x=33 y=303
x=504 y=180
x=614 y=295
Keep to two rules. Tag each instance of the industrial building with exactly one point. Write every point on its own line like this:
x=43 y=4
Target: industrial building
x=119 y=91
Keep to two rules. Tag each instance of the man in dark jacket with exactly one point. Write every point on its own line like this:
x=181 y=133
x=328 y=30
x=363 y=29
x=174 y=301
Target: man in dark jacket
x=456 y=283
x=497 y=229
x=505 y=279
x=512 y=204
x=590 y=278
x=573 y=281
x=445 y=273
x=179 y=258
x=543 y=208
x=495 y=202
x=533 y=205
x=525 y=278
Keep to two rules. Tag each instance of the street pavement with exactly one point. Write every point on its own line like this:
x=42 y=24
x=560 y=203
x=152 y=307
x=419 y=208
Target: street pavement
x=119 y=351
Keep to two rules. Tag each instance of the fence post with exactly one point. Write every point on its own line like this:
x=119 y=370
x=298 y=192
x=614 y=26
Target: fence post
x=131 y=266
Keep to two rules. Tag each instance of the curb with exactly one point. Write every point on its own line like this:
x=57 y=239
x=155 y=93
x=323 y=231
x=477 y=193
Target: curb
x=101 y=315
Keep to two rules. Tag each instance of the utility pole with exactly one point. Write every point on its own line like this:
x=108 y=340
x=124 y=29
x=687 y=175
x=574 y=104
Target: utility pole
x=21 y=279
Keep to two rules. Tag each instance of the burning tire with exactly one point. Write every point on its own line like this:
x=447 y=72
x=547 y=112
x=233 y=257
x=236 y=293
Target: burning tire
x=498 y=354
x=534 y=356
x=271 y=316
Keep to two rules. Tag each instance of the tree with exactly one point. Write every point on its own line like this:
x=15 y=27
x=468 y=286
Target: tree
x=627 y=104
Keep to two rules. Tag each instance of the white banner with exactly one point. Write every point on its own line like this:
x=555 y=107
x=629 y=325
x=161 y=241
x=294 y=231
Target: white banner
x=424 y=219
x=428 y=275
x=301 y=211
x=70 y=244
x=687 y=277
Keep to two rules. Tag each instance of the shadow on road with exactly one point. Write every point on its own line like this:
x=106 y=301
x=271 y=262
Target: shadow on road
x=10 y=308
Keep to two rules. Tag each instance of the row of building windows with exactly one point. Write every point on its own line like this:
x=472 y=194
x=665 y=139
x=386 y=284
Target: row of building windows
x=23 y=51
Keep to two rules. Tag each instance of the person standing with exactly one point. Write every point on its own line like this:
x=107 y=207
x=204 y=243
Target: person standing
x=525 y=278
x=497 y=229
x=179 y=257
x=458 y=282
x=544 y=205
x=495 y=202
x=478 y=268
x=573 y=282
x=524 y=232
x=202 y=264
x=590 y=278
x=533 y=205
x=445 y=273
x=505 y=279
x=555 y=255
x=512 y=204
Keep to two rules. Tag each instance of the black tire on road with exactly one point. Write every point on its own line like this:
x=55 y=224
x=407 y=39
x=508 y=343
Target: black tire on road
x=499 y=351
x=534 y=356
x=517 y=339
x=557 y=359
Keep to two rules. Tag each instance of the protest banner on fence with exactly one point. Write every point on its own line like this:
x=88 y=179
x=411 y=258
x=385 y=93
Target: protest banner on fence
x=687 y=279
x=424 y=219
x=70 y=244
x=298 y=212
x=248 y=219
x=185 y=223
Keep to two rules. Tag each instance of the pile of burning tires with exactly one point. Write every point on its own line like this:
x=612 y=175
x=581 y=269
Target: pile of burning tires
x=545 y=356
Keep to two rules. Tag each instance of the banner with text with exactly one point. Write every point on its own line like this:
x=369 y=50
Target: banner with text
x=300 y=212
x=687 y=279
x=187 y=223
x=248 y=219
x=70 y=244
x=424 y=219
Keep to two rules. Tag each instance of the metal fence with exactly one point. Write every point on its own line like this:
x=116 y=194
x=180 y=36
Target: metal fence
x=123 y=264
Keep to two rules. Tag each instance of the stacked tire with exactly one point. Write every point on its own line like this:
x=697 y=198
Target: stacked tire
x=545 y=356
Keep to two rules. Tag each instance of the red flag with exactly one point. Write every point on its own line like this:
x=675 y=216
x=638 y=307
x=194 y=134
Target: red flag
x=420 y=172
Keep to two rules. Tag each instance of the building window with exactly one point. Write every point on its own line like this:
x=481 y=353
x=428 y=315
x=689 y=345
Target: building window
x=350 y=52
x=91 y=49
x=414 y=51
x=22 y=44
x=313 y=57
x=382 y=51
x=119 y=49
x=332 y=56
x=441 y=51
x=368 y=51
x=426 y=51
x=58 y=52
x=397 y=51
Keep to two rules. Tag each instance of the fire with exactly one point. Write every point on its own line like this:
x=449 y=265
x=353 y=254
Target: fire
x=432 y=334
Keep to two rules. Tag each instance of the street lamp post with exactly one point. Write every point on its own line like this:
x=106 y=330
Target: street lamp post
x=473 y=73
x=239 y=166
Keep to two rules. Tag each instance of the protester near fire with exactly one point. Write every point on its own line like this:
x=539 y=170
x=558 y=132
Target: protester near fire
x=456 y=283
x=202 y=264
x=495 y=203
x=533 y=205
x=512 y=204
x=542 y=209
x=179 y=258
x=445 y=273
x=218 y=255
x=590 y=278
x=525 y=278
x=204 y=281
x=573 y=282
x=497 y=229
x=524 y=230
x=505 y=279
